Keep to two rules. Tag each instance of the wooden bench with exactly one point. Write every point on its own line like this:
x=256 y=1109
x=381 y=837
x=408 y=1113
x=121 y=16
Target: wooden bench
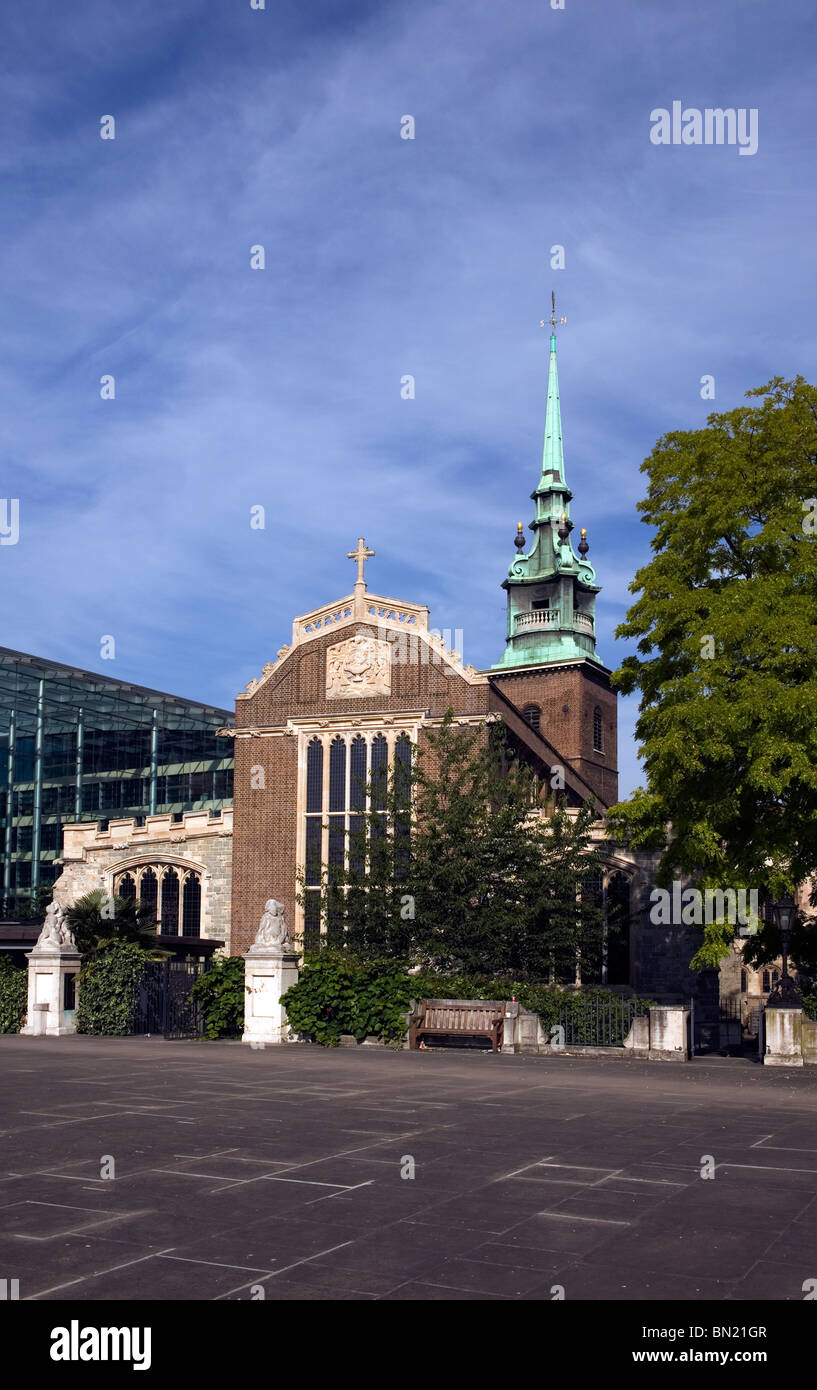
x=458 y=1018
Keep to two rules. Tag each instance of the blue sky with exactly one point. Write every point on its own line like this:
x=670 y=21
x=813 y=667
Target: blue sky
x=384 y=257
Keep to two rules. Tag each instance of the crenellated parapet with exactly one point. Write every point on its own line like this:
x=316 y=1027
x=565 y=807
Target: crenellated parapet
x=81 y=839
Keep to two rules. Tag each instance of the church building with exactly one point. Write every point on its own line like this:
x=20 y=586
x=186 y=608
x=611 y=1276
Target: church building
x=362 y=679
x=357 y=688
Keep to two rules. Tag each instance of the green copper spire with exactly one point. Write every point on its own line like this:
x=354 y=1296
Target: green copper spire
x=551 y=590
x=553 y=460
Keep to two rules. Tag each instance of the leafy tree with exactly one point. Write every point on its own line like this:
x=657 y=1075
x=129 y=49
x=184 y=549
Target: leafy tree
x=109 y=988
x=455 y=868
x=340 y=993
x=726 y=623
x=13 y=993
x=96 y=920
x=219 y=993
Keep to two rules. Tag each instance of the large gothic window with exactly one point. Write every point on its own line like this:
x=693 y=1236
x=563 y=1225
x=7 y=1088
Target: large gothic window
x=618 y=929
x=172 y=894
x=347 y=779
x=313 y=847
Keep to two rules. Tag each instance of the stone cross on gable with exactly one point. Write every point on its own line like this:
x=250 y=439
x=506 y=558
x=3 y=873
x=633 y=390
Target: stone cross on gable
x=362 y=554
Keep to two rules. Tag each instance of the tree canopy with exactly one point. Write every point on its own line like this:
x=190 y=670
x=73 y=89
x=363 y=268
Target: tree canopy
x=454 y=867
x=726 y=663
x=97 y=920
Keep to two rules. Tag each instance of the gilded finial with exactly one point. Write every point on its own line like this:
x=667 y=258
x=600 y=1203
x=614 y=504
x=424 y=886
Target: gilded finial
x=519 y=539
x=583 y=546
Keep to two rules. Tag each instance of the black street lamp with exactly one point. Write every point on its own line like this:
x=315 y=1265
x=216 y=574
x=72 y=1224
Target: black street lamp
x=784 y=995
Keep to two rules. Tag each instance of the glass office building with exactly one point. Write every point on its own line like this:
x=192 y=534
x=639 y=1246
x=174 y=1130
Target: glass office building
x=77 y=746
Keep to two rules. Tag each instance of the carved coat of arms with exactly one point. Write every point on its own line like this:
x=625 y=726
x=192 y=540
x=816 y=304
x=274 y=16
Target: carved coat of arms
x=359 y=666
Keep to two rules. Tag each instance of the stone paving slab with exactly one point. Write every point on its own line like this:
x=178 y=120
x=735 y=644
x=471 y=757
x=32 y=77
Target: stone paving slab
x=285 y=1168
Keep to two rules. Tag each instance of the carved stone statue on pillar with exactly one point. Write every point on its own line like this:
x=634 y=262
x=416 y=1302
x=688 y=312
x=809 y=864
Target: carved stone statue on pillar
x=270 y=968
x=56 y=934
x=272 y=929
x=53 y=967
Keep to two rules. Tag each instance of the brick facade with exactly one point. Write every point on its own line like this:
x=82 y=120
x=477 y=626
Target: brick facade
x=291 y=701
x=567 y=696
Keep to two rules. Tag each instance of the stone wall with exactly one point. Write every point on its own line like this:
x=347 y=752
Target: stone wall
x=200 y=840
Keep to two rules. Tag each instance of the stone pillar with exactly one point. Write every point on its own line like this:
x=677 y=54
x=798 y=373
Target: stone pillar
x=268 y=973
x=637 y=1040
x=529 y=1036
x=669 y=1031
x=510 y=1041
x=52 y=988
x=809 y=1040
x=784 y=1034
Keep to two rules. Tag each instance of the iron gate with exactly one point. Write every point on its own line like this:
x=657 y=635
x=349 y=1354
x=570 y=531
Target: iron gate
x=163 y=1003
x=598 y=1022
x=721 y=1026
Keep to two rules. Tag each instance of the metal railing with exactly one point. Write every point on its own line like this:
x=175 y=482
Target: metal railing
x=597 y=1022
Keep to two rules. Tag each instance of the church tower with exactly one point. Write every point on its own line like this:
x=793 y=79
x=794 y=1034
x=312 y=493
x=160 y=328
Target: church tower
x=549 y=668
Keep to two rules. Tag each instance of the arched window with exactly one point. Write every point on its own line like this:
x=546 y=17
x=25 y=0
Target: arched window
x=170 y=903
x=125 y=887
x=402 y=768
x=337 y=775
x=157 y=886
x=314 y=831
x=380 y=772
x=314 y=776
x=357 y=805
x=618 y=929
x=598 y=737
x=349 y=816
x=149 y=890
x=532 y=715
x=743 y=982
x=357 y=770
x=337 y=801
x=191 y=906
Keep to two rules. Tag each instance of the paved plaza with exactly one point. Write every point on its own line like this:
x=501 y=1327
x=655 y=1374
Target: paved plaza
x=289 y=1170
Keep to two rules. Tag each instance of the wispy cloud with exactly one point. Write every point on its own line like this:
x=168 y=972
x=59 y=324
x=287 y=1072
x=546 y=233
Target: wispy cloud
x=383 y=257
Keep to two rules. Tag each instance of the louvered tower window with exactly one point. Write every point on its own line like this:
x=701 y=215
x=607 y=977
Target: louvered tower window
x=532 y=715
x=598 y=742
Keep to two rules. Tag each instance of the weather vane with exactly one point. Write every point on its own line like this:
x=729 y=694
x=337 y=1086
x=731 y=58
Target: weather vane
x=553 y=320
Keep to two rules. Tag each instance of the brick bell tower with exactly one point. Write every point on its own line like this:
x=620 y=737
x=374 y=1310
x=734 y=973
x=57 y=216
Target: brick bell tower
x=549 y=668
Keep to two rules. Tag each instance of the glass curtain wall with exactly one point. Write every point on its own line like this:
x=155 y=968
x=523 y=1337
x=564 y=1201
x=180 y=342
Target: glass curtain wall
x=78 y=746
